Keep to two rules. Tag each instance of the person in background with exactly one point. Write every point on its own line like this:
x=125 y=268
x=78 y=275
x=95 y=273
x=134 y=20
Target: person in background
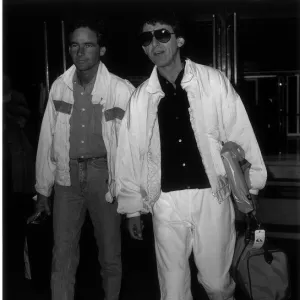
x=76 y=155
x=169 y=163
x=18 y=178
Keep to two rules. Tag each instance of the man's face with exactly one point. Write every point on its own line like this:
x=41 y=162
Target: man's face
x=162 y=54
x=84 y=50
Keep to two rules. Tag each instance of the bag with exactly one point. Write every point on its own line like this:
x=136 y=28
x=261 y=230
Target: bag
x=259 y=269
x=39 y=244
x=236 y=166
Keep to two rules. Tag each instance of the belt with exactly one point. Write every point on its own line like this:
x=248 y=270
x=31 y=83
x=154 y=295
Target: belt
x=86 y=159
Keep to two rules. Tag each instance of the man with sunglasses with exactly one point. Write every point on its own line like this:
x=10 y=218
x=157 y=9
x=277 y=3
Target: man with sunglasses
x=76 y=154
x=169 y=163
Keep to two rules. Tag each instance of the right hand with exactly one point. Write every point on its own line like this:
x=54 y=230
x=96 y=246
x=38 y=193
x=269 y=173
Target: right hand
x=43 y=204
x=135 y=227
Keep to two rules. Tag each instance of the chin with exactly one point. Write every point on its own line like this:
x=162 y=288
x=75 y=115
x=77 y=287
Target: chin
x=159 y=62
x=81 y=68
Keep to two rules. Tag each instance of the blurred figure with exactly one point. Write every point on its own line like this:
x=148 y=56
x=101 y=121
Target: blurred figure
x=15 y=116
x=169 y=163
x=18 y=178
x=76 y=155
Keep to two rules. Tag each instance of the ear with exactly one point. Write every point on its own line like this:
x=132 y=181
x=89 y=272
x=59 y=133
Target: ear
x=180 y=41
x=102 y=51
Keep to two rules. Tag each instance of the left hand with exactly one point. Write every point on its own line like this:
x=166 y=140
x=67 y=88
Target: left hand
x=255 y=203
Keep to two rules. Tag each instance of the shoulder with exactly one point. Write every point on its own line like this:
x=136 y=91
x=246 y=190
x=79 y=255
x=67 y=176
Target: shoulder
x=209 y=73
x=141 y=91
x=121 y=83
x=58 y=83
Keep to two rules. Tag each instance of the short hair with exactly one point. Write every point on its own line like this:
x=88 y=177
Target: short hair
x=163 y=17
x=95 y=26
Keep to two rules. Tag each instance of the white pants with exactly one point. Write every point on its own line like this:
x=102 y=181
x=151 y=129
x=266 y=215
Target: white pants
x=193 y=220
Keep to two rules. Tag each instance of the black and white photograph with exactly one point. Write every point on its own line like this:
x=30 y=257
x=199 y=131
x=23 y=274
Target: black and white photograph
x=151 y=149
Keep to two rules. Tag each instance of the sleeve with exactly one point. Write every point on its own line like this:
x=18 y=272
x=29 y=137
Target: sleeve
x=238 y=129
x=123 y=97
x=123 y=89
x=128 y=165
x=45 y=167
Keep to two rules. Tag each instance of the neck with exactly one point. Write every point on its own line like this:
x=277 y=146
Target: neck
x=171 y=71
x=86 y=76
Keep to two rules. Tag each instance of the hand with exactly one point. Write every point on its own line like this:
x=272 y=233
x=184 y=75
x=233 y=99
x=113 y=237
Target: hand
x=255 y=203
x=135 y=227
x=43 y=204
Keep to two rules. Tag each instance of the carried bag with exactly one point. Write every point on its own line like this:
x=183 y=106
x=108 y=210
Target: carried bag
x=260 y=269
x=236 y=167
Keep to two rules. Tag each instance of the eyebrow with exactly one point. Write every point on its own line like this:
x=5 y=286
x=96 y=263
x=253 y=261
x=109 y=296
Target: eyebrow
x=72 y=42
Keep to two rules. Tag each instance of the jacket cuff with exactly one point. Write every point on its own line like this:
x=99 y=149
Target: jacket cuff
x=136 y=214
x=253 y=191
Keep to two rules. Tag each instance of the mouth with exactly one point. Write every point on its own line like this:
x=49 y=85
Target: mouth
x=158 y=52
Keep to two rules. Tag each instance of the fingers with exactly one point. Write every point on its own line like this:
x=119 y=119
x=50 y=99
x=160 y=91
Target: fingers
x=47 y=209
x=43 y=206
x=137 y=232
x=135 y=228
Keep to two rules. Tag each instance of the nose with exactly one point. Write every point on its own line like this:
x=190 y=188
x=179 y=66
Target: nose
x=154 y=41
x=80 y=51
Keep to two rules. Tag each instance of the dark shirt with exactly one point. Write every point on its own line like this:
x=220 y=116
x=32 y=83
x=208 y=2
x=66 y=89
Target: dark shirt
x=86 y=138
x=181 y=163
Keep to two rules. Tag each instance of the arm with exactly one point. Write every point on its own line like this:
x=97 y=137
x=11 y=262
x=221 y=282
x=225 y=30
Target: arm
x=45 y=167
x=128 y=164
x=123 y=97
x=238 y=129
x=123 y=92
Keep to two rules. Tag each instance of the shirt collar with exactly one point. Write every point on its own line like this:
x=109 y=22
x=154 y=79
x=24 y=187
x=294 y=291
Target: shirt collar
x=154 y=84
x=164 y=82
x=89 y=87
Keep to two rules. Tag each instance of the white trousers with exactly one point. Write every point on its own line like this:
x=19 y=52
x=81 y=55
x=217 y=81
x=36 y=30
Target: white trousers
x=193 y=220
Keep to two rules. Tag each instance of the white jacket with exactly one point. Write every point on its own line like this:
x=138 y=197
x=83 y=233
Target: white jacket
x=52 y=162
x=217 y=115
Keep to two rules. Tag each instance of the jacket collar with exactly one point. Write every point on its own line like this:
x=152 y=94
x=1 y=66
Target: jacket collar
x=154 y=85
x=101 y=82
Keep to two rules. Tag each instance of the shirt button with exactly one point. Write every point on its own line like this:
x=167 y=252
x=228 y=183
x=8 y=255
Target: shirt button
x=177 y=118
x=180 y=140
x=81 y=93
x=82 y=156
x=174 y=94
x=82 y=125
x=83 y=109
x=82 y=142
x=183 y=164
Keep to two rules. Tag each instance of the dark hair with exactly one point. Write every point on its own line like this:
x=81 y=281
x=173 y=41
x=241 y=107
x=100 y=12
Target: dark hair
x=163 y=17
x=96 y=26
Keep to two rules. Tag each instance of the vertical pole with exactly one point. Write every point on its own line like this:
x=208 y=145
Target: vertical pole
x=46 y=57
x=235 y=79
x=63 y=44
x=214 y=42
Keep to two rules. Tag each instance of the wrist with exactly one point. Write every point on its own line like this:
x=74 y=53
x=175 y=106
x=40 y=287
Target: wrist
x=131 y=215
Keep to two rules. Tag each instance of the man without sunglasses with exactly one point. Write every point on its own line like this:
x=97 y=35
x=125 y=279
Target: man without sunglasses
x=76 y=154
x=168 y=162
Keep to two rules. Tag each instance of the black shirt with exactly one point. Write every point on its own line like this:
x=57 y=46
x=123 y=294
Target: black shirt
x=181 y=163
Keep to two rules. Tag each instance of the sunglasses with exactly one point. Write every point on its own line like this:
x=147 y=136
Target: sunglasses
x=162 y=35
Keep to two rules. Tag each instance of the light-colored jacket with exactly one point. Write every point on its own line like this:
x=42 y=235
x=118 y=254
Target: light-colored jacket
x=52 y=161
x=217 y=115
